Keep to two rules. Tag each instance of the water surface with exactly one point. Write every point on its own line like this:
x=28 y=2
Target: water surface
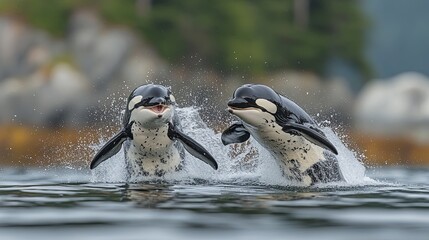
x=65 y=204
x=246 y=198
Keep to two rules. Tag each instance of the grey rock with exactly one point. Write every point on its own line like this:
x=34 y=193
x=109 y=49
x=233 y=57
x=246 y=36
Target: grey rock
x=397 y=106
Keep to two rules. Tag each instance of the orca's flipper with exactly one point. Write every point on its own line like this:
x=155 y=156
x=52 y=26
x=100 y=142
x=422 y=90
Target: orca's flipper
x=112 y=146
x=311 y=135
x=236 y=133
x=192 y=146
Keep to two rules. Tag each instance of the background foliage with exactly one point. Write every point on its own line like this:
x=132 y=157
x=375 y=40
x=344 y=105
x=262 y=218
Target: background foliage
x=240 y=37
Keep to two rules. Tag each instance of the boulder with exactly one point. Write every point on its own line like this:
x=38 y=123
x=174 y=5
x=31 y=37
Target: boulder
x=398 y=106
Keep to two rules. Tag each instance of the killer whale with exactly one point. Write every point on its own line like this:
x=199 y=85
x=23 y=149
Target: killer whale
x=303 y=152
x=153 y=141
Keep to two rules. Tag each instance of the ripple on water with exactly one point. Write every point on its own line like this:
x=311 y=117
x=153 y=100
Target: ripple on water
x=245 y=199
x=180 y=210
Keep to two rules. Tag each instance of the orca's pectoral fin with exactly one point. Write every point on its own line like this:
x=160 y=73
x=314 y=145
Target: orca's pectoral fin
x=194 y=148
x=236 y=133
x=111 y=147
x=311 y=135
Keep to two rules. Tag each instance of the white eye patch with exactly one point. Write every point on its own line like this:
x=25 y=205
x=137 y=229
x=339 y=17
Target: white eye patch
x=172 y=98
x=134 y=101
x=269 y=106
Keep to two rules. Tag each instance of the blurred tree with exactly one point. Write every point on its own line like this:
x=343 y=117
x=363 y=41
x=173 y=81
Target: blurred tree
x=239 y=37
x=48 y=14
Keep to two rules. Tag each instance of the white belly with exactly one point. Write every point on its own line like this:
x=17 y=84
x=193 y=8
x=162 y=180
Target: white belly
x=151 y=153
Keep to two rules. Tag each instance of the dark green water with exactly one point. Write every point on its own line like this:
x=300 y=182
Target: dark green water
x=64 y=204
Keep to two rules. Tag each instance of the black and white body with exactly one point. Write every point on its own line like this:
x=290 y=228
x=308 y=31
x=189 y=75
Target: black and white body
x=293 y=138
x=153 y=142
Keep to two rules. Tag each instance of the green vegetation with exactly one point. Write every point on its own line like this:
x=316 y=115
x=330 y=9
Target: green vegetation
x=240 y=36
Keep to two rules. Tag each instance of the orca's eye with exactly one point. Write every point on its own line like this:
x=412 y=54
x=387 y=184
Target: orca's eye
x=172 y=98
x=134 y=101
x=249 y=99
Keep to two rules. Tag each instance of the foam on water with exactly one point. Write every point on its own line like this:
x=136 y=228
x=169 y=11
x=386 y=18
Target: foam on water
x=112 y=170
x=240 y=163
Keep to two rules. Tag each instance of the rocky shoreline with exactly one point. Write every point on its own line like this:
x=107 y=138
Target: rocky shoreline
x=66 y=147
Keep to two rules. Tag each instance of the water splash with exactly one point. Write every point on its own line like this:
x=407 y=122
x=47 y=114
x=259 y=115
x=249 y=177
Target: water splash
x=350 y=163
x=240 y=164
x=113 y=170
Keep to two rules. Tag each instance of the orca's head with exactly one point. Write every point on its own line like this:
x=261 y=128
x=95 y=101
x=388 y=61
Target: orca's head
x=253 y=102
x=150 y=105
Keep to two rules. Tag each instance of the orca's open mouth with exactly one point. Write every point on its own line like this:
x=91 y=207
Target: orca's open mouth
x=158 y=109
x=236 y=110
x=230 y=108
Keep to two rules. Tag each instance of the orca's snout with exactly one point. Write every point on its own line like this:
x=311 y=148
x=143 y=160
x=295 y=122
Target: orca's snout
x=240 y=103
x=157 y=101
